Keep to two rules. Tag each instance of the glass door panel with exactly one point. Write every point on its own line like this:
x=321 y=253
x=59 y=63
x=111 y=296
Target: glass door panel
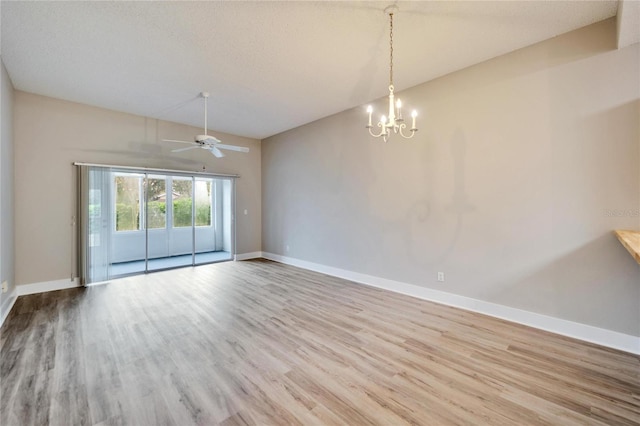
x=181 y=218
x=226 y=221
x=128 y=240
x=213 y=222
x=205 y=235
x=156 y=221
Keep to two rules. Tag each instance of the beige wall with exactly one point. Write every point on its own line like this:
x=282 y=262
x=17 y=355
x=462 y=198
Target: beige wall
x=51 y=134
x=6 y=189
x=506 y=187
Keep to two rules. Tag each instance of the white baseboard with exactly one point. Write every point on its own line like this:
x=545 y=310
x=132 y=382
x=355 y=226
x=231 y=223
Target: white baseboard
x=247 y=256
x=25 y=289
x=6 y=307
x=588 y=333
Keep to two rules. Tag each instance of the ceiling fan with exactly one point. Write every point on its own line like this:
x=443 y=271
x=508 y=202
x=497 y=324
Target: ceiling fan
x=208 y=142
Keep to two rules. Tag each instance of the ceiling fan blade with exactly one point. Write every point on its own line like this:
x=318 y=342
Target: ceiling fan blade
x=232 y=147
x=184 y=149
x=215 y=151
x=173 y=140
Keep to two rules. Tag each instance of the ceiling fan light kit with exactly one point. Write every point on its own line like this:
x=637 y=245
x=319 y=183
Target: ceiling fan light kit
x=206 y=141
x=394 y=123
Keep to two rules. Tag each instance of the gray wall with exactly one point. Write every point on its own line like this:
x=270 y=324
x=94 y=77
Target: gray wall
x=6 y=188
x=51 y=134
x=507 y=187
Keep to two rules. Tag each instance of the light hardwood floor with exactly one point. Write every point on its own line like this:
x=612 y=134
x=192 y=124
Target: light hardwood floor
x=257 y=342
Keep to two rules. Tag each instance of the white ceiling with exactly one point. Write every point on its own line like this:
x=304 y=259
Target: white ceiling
x=270 y=66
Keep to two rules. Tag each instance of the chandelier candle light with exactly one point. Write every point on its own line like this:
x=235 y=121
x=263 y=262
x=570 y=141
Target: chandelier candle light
x=394 y=122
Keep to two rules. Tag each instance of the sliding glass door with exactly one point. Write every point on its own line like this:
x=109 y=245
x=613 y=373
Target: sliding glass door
x=140 y=221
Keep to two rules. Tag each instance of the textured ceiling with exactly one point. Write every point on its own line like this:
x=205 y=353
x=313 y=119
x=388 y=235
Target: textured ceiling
x=270 y=66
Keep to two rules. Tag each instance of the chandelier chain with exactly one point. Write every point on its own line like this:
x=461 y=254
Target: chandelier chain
x=391 y=50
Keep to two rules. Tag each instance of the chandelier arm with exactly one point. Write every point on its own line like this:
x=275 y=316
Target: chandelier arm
x=383 y=131
x=403 y=126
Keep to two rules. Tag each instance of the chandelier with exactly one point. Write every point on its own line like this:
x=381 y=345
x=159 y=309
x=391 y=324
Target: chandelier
x=394 y=122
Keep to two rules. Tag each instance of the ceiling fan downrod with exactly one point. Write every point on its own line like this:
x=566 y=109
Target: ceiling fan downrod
x=205 y=95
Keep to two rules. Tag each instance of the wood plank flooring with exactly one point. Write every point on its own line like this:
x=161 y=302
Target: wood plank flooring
x=261 y=343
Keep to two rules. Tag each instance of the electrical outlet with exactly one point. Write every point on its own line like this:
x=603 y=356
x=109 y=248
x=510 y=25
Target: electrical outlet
x=441 y=276
x=287 y=249
x=5 y=286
